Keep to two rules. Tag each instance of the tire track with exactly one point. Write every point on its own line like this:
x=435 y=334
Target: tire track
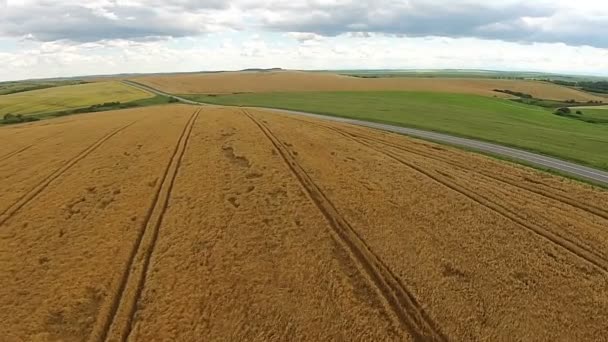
x=11 y=154
x=25 y=148
x=589 y=208
x=538 y=191
x=407 y=312
x=117 y=324
x=42 y=185
x=577 y=249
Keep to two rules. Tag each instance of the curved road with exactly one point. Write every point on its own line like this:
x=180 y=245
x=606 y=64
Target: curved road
x=535 y=159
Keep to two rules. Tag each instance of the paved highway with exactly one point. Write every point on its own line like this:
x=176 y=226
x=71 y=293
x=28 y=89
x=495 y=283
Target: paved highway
x=535 y=159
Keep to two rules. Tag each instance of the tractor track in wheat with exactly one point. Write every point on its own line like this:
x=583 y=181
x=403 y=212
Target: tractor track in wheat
x=47 y=181
x=589 y=208
x=134 y=274
x=27 y=147
x=408 y=312
x=580 y=250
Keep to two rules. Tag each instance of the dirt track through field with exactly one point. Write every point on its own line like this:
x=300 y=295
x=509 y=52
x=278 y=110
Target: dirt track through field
x=188 y=223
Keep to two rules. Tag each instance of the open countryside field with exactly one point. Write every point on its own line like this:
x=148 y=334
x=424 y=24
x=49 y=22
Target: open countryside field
x=68 y=97
x=497 y=120
x=189 y=223
x=291 y=81
x=597 y=115
x=22 y=86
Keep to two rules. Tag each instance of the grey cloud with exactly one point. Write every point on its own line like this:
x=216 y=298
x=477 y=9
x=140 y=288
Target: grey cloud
x=51 y=21
x=416 y=18
x=190 y=5
x=585 y=32
x=508 y=20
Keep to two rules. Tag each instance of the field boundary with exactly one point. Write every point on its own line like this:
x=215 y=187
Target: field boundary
x=46 y=182
x=408 y=313
x=528 y=158
x=118 y=322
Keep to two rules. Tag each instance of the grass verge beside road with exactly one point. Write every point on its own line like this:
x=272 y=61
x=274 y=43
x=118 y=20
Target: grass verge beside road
x=495 y=120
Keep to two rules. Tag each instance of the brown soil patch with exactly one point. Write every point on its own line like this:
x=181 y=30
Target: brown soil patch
x=291 y=81
x=188 y=223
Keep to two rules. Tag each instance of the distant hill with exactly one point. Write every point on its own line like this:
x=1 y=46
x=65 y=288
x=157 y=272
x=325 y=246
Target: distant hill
x=262 y=70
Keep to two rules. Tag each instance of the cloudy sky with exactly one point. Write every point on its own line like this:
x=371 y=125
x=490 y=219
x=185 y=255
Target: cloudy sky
x=49 y=38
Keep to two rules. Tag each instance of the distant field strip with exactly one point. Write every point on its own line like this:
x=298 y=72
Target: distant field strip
x=291 y=81
x=68 y=97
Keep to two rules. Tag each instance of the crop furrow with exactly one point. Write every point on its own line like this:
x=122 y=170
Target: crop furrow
x=117 y=323
x=408 y=313
x=34 y=192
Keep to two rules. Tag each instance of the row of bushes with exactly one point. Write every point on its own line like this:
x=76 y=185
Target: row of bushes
x=514 y=93
x=582 y=103
x=14 y=119
x=529 y=99
x=566 y=111
x=590 y=86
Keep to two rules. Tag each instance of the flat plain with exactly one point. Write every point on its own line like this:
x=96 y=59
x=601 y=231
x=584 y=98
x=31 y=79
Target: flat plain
x=184 y=222
x=291 y=81
x=68 y=97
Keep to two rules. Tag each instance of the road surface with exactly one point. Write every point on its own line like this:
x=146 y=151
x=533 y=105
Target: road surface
x=534 y=159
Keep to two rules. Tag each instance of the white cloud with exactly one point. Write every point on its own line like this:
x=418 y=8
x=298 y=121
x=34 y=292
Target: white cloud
x=344 y=52
x=109 y=36
x=304 y=36
x=583 y=22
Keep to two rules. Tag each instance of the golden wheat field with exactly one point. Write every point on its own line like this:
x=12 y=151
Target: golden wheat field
x=184 y=223
x=293 y=81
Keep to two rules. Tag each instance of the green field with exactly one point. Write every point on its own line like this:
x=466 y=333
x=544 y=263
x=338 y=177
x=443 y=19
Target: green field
x=68 y=97
x=502 y=121
x=593 y=115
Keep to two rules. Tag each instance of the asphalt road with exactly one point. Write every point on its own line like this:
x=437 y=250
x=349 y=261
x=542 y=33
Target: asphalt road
x=534 y=159
x=158 y=92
